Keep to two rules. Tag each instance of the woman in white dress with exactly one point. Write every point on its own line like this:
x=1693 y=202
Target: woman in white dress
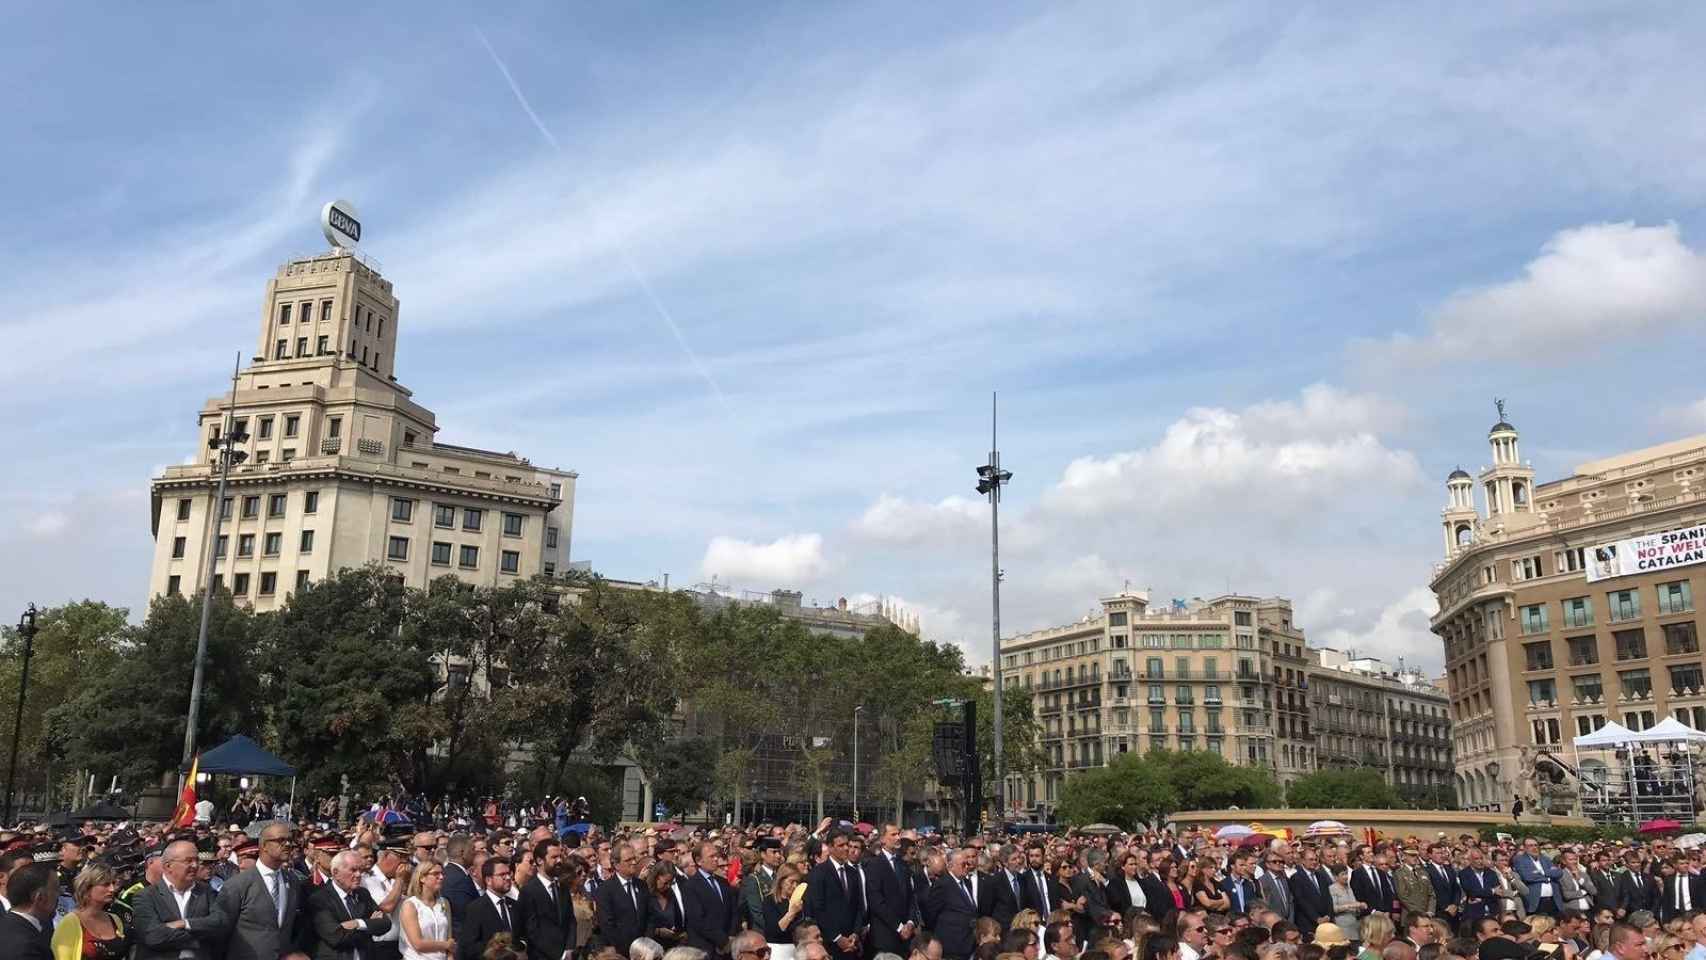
x=425 y=917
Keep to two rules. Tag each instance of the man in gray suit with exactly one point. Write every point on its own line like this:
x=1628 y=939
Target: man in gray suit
x=177 y=917
x=262 y=903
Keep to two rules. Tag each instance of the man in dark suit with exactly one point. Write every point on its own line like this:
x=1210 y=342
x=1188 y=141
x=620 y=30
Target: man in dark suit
x=1275 y=885
x=1037 y=885
x=713 y=907
x=1239 y=886
x=1008 y=886
x=1682 y=892
x=889 y=902
x=951 y=907
x=622 y=905
x=459 y=887
x=344 y=916
x=836 y=900
x=1478 y=884
x=491 y=913
x=178 y=913
x=1372 y=884
x=263 y=903
x=1311 y=900
x=1634 y=889
x=1090 y=887
x=27 y=928
x=547 y=909
x=1604 y=880
x=1448 y=892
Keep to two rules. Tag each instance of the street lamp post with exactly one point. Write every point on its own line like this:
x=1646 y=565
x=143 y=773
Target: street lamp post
x=990 y=479
x=856 y=761
x=228 y=457
x=27 y=630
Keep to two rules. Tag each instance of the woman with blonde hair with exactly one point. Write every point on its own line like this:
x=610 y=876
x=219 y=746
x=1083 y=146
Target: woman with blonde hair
x=424 y=918
x=1025 y=919
x=1377 y=931
x=90 y=932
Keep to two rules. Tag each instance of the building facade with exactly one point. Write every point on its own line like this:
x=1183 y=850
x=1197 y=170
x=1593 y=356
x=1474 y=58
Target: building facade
x=1191 y=676
x=1397 y=722
x=1536 y=654
x=342 y=467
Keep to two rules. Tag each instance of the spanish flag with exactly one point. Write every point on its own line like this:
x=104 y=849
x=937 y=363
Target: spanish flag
x=184 y=816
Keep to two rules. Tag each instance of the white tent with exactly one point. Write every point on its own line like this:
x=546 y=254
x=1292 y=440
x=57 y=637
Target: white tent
x=1670 y=730
x=1613 y=734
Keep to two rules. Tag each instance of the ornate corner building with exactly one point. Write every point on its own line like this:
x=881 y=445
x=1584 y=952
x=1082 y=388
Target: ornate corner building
x=1547 y=634
x=342 y=467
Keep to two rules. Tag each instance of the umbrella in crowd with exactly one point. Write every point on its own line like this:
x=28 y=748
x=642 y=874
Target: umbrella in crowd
x=1232 y=831
x=1326 y=828
x=1660 y=826
x=1100 y=830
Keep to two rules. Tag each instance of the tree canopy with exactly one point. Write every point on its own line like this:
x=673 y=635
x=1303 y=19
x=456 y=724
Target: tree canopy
x=1344 y=787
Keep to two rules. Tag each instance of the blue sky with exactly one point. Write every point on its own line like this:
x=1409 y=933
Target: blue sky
x=1247 y=279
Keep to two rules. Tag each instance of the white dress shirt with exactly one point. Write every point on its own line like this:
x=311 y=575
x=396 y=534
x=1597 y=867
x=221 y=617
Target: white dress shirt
x=379 y=887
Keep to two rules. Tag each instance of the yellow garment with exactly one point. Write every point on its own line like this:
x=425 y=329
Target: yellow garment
x=68 y=937
x=798 y=896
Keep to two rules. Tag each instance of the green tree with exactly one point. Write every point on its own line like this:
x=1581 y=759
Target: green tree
x=130 y=721
x=1205 y=781
x=75 y=646
x=1131 y=791
x=350 y=689
x=908 y=762
x=812 y=772
x=683 y=773
x=1342 y=788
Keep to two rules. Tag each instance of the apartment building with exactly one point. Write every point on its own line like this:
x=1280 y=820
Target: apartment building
x=1566 y=604
x=1395 y=721
x=1196 y=675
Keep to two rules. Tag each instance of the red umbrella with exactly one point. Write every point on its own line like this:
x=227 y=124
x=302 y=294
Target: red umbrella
x=1660 y=826
x=1254 y=840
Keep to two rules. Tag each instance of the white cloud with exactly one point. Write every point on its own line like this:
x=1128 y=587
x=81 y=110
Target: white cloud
x=896 y=520
x=789 y=560
x=1593 y=285
x=48 y=523
x=1396 y=631
x=1271 y=450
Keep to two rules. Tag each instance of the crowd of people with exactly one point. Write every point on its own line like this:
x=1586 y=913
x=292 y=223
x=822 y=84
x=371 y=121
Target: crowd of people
x=838 y=892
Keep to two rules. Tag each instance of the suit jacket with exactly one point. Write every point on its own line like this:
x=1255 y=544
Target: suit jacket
x=713 y=911
x=1095 y=912
x=1240 y=893
x=1119 y=896
x=1276 y=890
x=327 y=912
x=1479 y=900
x=1535 y=871
x=1604 y=889
x=1378 y=892
x=548 y=923
x=620 y=920
x=1415 y=890
x=20 y=941
x=1039 y=890
x=951 y=914
x=1160 y=898
x=247 y=906
x=459 y=892
x=1312 y=902
x=1634 y=892
x=837 y=911
x=1667 y=902
x=1005 y=901
x=154 y=906
x=889 y=902
x=480 y=923
x=1447 y=891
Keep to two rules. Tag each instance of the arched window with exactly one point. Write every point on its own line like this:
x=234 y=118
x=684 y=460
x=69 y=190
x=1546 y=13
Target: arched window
x=1465 y=534
x=1519 y=493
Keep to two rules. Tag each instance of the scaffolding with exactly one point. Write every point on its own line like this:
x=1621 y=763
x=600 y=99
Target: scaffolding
x=1651 y=774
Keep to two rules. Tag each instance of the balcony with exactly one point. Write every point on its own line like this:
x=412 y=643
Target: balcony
x=1543 y=704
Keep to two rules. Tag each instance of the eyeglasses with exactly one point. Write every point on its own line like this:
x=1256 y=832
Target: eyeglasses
x=758 y=952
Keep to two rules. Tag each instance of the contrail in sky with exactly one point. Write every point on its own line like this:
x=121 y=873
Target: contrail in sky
x=621 y=251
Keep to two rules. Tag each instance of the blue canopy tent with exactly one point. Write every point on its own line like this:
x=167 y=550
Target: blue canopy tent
x=240 y=755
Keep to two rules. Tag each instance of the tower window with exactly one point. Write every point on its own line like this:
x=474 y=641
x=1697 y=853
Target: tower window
x=284 y=313
x=178 y=548
x=279 y=349
x=364 y=356
x=326 y=311
x=321 y=346
x=263 y=428
x=369 y=327
x=292 y=424
x=352 y=346
x=305 y=312
x=376 y=359
x=381 y=328
x=333 y=426
x=184 y=509
x=302 y=346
